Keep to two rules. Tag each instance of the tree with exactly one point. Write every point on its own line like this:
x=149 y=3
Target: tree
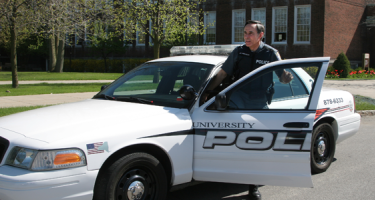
x=106 y=44
x=169 y=20
x=342 y=65
x=16 y=17
x=59 y=19
x=104 y=33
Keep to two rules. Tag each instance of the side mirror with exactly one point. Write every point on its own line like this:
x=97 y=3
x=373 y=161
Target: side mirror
x=103 y=87
x=187 y=92
x=221 y=102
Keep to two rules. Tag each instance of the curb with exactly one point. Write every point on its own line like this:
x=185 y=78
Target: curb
x=364 y=113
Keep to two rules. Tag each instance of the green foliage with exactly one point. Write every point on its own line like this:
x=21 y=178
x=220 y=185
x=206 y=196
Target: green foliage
x=312 y=71
x=13 y=110
x=49 y=76
x=45 y=88
x=171 y=22
x=362 y=74
x=364 y=103
x=342 y=65
x=96 y=65
x=34 y=45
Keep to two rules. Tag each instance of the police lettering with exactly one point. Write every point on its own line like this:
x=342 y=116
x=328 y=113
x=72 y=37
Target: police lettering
x=222 y=125
x=262 y=62
x=258 y=140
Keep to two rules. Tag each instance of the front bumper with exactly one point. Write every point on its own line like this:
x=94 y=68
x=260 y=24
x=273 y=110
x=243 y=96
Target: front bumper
x=75 y=183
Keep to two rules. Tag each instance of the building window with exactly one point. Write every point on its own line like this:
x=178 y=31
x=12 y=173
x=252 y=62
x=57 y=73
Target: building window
x=140 y=36
x=238 y=21
x=279 y=25
x=302 y=24
x=210 y=24
x=259 y=14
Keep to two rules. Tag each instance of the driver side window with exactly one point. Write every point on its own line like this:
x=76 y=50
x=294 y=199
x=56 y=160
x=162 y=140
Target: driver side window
x=265 y=90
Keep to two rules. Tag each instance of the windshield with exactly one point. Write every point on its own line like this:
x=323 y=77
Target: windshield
x=158 y=83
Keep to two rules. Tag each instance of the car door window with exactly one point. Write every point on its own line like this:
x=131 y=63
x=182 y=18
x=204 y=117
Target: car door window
x=265 y=90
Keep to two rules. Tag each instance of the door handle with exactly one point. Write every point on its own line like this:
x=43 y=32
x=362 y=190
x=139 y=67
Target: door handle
x=296 y=125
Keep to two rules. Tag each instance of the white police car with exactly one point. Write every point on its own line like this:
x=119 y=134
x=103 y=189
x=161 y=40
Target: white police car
x=149 y=130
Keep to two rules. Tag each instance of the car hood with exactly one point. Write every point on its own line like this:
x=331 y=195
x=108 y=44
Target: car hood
x=68 y=120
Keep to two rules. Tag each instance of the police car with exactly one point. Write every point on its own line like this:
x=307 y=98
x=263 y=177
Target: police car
x=150 y=130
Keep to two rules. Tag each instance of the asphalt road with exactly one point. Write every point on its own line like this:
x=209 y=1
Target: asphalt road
x=351 y=176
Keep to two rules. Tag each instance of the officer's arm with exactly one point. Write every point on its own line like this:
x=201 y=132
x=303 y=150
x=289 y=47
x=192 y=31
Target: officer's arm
x=221 y=75
x=284 y=76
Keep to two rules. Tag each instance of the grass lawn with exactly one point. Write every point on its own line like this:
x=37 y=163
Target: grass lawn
x=364 y=103
x=13 y=110
x=50 y=76
x=45 y=88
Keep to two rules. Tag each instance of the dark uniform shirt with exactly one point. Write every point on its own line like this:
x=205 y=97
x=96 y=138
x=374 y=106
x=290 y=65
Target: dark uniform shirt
x=242 y=61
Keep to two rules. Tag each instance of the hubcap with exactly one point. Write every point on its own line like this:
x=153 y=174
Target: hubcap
x=136 y=184
x=136 y=190
x=321 y=148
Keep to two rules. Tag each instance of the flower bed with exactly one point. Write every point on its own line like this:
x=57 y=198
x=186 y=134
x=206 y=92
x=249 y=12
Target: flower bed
x=357 y=74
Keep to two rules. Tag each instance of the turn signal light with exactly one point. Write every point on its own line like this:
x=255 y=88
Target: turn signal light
x=62 y=159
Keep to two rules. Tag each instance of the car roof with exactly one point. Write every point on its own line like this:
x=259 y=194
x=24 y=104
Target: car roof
x=206 y=59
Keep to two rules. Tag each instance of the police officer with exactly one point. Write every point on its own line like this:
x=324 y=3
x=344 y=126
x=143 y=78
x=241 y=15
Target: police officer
x=244 y=59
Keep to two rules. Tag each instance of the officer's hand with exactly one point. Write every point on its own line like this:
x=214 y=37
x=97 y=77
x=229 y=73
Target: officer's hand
x=286 y=77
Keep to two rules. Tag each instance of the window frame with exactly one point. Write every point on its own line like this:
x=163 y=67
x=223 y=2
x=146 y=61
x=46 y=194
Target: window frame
x=137 y=36
x=233 y=23
x=265 y=19
x=205 y=25
x=273 y=25
x=295 y=25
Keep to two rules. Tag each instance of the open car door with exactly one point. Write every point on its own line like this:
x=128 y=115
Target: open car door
x=258 y=130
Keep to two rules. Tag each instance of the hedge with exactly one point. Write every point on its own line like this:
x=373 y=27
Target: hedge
x=97 y=65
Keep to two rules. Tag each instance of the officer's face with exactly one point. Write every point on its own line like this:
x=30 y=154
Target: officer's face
x=251 y=36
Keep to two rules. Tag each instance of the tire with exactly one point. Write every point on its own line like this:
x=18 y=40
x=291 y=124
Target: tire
x=323 y=147
x=138 y=176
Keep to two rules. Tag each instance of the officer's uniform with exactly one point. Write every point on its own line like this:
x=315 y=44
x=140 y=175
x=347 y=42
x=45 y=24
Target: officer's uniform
x=242 y=61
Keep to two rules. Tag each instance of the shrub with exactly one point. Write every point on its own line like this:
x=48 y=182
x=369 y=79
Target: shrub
x=312 y=71
x=342 y=65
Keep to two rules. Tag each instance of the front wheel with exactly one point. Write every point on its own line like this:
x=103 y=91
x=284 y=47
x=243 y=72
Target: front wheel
x=137 y=176
x=322 y=148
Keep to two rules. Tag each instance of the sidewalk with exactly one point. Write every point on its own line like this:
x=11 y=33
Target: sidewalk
x=43 y=99
x=362 y=87
x=47 y=99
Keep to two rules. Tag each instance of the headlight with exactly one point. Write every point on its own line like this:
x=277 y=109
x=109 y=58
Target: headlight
x=45 y=160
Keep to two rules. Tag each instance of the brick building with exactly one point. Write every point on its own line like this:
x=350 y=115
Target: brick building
x=297 y=28
x=300 y=28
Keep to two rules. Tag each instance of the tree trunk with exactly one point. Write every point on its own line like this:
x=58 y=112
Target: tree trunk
x=13 y=54
x=156 y=49
x=52 y=53
x=156 y=55
x=60 y=56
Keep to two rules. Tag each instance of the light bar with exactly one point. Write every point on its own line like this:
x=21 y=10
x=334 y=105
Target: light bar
x=203 y=50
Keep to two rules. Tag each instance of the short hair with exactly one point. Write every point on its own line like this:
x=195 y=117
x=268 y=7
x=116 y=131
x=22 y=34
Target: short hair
x=259 y=25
